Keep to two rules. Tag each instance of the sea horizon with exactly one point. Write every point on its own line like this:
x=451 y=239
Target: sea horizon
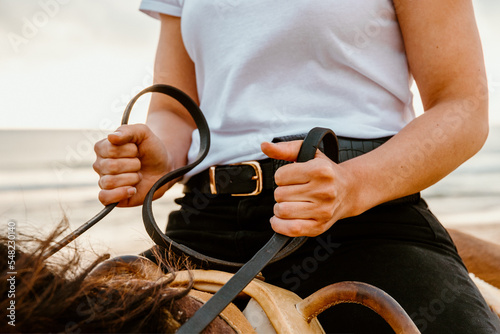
x=46 y=175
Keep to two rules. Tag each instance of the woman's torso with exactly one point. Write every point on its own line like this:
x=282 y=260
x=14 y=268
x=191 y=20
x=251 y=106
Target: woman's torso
x=272 y=68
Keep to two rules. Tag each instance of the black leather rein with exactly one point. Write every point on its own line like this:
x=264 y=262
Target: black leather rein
x=149 y=222
x=159 y=237
x=275 y=249
x=147 y=212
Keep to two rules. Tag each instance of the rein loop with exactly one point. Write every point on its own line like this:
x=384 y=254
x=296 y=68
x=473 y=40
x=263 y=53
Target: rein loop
x=307 y=152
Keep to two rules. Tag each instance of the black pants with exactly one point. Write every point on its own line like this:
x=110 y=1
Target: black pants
x=402 y=249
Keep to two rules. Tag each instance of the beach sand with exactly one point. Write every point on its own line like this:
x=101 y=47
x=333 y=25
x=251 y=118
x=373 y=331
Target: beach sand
x=48 y=176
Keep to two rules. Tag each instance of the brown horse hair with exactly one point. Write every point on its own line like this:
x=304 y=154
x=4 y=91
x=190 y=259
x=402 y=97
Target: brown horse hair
x=58 y=295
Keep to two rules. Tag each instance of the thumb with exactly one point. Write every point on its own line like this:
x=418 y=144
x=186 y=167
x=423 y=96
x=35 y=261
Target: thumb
x=128 y=134
x=282 y=151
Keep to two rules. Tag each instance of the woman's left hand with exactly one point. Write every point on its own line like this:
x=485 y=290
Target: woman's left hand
x=310 y=196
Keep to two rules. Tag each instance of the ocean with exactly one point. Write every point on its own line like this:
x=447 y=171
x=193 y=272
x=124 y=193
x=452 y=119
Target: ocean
x=46 y=175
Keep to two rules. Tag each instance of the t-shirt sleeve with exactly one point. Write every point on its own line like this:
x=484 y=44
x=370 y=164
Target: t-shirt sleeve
x=154 y=8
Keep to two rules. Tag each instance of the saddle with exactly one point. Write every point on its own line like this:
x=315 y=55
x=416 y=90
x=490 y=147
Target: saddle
x=268 y=308
x=275 y=310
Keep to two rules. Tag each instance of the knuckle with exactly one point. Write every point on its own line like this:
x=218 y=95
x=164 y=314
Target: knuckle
x=323 y=172
x=132 y=149
x=277 y=210
x=106 y=182
x=137 y=164
x=96 y=166
x=113 y=151
x=278 y=195
x=278 y=177
x=103 y=198
x=295 y=228
x=324 y=213
x=139 y=129
x=326 y=193
x=98 y=146
x=112 y=165
x=283 y=211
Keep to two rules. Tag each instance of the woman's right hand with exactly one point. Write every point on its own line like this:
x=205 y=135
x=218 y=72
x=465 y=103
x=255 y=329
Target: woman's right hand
x=129 y=161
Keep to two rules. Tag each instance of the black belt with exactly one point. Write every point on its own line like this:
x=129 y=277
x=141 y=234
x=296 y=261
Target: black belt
x=250 y=178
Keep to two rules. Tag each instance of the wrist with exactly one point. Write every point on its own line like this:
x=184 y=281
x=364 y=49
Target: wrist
x=359 y=198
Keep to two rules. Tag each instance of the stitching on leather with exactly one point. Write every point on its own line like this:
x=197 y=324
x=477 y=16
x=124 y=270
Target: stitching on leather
x=315 y=314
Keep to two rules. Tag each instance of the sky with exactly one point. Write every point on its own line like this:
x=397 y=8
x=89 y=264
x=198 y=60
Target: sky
x=76 y=63
x=73 y=63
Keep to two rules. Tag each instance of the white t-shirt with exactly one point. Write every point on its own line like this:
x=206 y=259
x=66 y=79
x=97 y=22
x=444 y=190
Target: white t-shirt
x=278 y=67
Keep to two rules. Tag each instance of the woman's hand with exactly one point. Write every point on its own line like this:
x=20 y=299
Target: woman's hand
x=129 y=161
x=311 y=196
x=133 y=158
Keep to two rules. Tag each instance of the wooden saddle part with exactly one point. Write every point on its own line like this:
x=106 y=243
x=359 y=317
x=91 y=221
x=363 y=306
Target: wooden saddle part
x=288 y=313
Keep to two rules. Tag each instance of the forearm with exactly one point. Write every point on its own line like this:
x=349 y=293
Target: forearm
x=425 y=151
x=167 y=118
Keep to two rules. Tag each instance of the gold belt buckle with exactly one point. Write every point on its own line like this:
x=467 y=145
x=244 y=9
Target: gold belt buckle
x=259 y=182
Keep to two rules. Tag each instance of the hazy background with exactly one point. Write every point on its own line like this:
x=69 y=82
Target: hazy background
x=84 y=59
x=67 y=70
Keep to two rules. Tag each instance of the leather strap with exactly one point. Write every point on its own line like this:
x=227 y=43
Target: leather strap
x=209 y=311
x=150 y=224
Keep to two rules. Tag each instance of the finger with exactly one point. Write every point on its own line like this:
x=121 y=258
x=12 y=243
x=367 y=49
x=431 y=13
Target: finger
x=302 y=173
x=106 y=149
x=296 y=227
x=288 y=151
x=107 y=197
x=108 y=182
x=303 y=210
x=282 y=151
x=293 y=193
x=319 y=190
x=292 y=174
x=135 y=133
x=117 y=166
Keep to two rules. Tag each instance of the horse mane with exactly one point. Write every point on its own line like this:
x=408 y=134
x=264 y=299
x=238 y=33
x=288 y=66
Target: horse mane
x=62 y=295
